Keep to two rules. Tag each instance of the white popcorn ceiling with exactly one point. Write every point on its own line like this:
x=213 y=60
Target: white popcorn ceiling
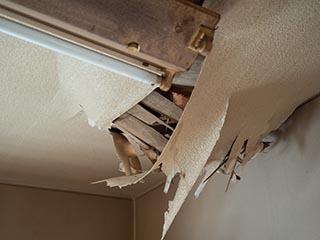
x=45 y=102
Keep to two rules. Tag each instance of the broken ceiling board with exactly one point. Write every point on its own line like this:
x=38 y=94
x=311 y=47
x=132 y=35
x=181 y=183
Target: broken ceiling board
x=142 y=131
x=144 y=115
x=45 y=101
x=102 y=100
x=158 y=103
x=263 y=65
x=133 y=138
x=262 y=68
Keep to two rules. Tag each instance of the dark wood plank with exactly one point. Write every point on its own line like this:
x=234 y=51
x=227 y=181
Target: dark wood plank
x=162 y=28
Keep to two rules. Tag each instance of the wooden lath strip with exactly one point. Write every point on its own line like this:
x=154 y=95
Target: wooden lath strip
x=147 y=117
x=160 y=104
x=142 y=131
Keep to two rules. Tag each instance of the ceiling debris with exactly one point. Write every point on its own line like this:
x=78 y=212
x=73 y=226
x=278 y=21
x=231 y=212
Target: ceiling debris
x=264 y=64
x=46 y=99
x=253 y=80
x=149 y=125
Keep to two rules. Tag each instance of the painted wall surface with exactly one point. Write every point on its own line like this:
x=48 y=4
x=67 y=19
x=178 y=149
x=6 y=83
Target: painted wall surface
x=277 y=198
x=35 y=214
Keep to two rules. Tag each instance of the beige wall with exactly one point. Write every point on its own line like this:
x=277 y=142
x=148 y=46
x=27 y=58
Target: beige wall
x=35 y=214
x=278 y=197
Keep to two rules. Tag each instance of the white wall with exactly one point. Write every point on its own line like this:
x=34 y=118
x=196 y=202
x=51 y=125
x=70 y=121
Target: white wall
x=35 y=214
x=278 y=197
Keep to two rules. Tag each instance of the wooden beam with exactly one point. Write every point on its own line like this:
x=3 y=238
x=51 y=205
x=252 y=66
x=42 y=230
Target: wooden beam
x=161 y=30
x=158 y=103
x=144 y=115
x=142 y=131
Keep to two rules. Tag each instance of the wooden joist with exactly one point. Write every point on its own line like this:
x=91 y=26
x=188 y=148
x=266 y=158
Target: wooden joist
x=162 y=105
x=112 y=27
x=142 y=131
x=144 y=115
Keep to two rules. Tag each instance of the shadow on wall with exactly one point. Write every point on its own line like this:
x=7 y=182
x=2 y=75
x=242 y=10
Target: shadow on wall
x=276 y=198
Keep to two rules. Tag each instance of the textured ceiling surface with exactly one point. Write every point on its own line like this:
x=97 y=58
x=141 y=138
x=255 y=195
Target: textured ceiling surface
x=45 y=101
x=264 y=64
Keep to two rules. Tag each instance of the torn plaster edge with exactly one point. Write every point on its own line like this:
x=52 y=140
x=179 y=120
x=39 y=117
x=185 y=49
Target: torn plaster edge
x=169 y=177
x=104 y=125
x=208 y=170
x=45 y=40
x=256 y=139
x=213 y=165
x=122 y=181
x=168 y=182
x=174 y=167
x=254 y=151
x=101 y=124
x=186 y=183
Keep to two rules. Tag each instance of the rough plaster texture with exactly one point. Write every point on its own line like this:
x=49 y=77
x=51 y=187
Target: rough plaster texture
x=264 y=63
x=34 y=214
x=45 y=100
x=277 y=198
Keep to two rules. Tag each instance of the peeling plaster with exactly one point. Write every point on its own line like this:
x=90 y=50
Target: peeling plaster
x=264 y=63
x=45 y=101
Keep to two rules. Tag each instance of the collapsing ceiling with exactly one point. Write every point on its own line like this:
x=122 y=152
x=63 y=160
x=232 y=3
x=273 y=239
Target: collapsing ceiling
x=264 y=64
x=46 y=99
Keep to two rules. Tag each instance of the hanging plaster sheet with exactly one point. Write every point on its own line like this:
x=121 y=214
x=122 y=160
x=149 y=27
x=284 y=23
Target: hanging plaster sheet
x=264 y=64
x=70 y=84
